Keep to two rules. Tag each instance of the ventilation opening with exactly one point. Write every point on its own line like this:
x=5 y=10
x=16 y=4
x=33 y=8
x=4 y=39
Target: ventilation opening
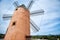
x=14 y=23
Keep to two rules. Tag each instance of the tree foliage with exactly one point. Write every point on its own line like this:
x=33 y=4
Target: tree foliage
x=50 y=37
x=2 y=36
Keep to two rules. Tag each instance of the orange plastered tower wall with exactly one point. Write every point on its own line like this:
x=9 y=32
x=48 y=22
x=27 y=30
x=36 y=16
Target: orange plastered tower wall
x=19 y=26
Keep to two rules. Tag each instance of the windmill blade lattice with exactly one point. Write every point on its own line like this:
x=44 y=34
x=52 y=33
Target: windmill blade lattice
x=34 y=26
x=16 y=4
x=37 y=12
x=30 y=4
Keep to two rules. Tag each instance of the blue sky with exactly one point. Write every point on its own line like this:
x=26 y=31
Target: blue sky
x=49 y=23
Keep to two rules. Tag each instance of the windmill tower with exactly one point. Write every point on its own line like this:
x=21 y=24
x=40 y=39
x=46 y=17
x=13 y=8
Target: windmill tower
x=19 y=26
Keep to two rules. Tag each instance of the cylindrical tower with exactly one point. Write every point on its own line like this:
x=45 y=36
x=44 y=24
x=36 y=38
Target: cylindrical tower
x=19 y=26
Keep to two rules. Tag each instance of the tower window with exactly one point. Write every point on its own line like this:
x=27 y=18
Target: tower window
x=14 y=23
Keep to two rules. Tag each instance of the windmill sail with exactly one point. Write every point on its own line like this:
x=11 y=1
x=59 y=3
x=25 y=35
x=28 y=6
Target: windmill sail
x=30 y=4
x=16 y=4
x=37 y=12
x=34 y=26
x=7 y=16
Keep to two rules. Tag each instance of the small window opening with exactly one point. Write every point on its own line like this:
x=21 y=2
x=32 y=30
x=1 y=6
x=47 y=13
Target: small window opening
x=14 y=23
x=16 y=9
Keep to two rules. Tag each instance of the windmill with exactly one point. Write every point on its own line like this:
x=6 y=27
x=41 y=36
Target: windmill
x=34 y=13
x=37 y=12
